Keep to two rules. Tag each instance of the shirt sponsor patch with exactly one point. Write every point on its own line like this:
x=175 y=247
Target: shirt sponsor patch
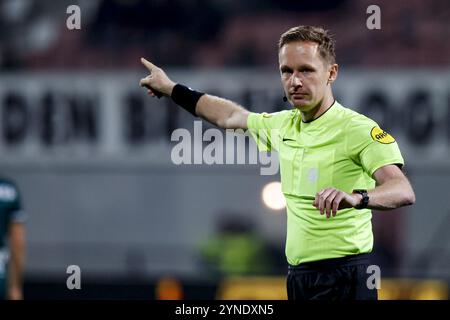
x=381 y=136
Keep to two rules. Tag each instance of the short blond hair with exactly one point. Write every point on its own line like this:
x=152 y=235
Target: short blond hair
x=314 y=34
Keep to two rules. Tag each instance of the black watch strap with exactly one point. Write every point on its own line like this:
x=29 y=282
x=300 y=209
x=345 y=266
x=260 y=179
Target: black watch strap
x=365 y=198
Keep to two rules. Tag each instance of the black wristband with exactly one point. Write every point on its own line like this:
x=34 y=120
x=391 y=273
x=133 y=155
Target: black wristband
x=186 y=97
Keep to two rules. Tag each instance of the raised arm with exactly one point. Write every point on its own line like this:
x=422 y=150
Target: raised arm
x=218 y=111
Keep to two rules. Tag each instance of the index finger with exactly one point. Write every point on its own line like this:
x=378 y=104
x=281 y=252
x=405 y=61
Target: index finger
x=148 y=64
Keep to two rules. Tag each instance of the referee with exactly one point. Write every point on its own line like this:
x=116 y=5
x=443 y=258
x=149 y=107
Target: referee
x=335 y=164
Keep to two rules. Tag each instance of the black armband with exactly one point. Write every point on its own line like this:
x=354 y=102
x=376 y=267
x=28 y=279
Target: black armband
x=186 y=97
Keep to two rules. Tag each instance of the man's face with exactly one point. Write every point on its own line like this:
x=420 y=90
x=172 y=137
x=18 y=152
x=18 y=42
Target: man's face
x=304 y=74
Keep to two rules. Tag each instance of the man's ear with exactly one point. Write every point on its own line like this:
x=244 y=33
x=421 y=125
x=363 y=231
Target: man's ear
x=333 y=72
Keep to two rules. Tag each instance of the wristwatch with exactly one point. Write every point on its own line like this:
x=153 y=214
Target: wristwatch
x=365 y=198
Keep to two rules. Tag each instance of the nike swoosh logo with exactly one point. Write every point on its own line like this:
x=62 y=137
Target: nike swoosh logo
x=286 y=139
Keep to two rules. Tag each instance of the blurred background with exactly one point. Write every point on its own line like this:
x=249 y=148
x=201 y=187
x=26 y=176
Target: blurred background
x=91 y=152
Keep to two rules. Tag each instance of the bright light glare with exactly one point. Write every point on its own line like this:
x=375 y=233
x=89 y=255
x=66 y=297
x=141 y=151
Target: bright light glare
x=273 y=197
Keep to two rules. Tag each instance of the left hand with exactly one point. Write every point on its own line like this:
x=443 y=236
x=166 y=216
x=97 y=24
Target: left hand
x=330 y=200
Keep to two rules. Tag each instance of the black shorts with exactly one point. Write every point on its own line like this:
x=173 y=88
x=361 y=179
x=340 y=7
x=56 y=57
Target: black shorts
x=332 y=279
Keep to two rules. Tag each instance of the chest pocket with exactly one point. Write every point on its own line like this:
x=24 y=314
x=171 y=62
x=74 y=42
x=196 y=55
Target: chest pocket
x=305 y=171
x=317 y=171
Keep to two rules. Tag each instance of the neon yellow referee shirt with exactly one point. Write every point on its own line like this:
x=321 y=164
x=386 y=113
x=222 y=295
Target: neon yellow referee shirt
x=340 y=149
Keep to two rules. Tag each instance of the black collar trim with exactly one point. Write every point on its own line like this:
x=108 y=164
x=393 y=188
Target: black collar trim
x=334 y=101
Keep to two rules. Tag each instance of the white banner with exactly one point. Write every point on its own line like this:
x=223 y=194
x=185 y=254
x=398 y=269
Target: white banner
x=89 y=117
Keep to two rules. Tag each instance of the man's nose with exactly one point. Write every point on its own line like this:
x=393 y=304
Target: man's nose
x=296 y=81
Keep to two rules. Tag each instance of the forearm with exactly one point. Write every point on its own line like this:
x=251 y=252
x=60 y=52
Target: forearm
x=392 y=194
x=17 y=263
x=16 y=279
x=222 y=112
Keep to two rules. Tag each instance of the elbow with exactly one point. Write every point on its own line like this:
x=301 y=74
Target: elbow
x=222 y=123
x=410 y=198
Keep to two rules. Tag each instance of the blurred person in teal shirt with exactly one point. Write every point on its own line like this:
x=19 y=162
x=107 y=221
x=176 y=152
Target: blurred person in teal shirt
x=12 y=241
